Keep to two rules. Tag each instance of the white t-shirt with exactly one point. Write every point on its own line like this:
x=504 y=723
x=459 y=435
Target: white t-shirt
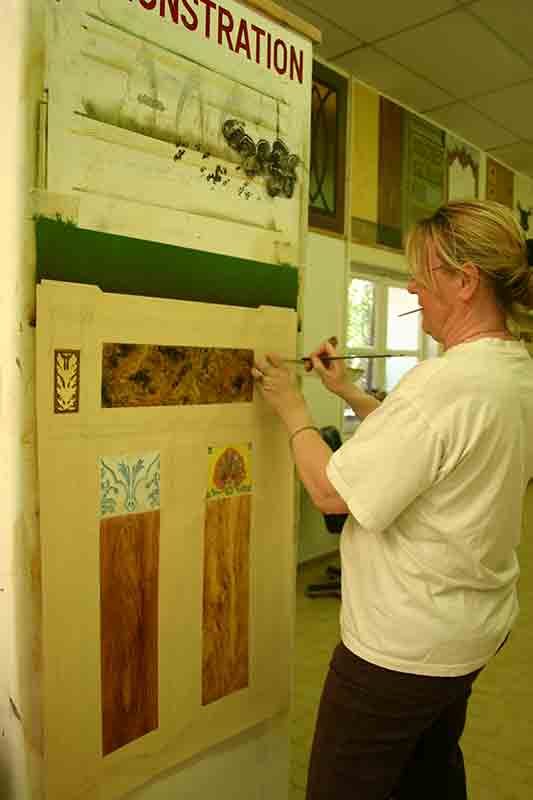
x=435 y=480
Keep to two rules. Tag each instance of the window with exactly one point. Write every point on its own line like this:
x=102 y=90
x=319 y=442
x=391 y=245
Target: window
x=375 y=327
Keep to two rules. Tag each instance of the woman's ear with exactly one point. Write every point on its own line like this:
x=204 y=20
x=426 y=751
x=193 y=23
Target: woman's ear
x=470 y=280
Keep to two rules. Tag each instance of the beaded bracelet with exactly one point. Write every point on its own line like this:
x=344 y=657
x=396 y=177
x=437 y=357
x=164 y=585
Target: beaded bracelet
x=299 y=430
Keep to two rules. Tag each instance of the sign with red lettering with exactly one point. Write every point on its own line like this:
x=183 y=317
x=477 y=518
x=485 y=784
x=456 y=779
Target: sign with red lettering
x=242 y=37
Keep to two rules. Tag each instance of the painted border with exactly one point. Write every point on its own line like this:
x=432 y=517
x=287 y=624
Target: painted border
x=118 y=264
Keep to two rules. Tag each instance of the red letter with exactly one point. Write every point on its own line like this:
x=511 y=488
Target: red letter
x=148 y=4
x=174 y=9
x=269 y=51
x=209 y=5
x=225 y=27
x=280 y=70
x=258 y=33
x=243 y=40
x=191 y=24
x=297 y=65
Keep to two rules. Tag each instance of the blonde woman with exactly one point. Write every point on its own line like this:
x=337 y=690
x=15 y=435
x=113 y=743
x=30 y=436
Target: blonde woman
x=433 y=481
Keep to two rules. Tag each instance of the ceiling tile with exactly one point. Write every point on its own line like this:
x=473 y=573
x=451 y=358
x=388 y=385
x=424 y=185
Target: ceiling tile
x=392 y=79
x=512 y=20
x=335 y=40
x=512 y=107
x=517 y=156
x=472 y=126
x=371 y=21
x=460 y=55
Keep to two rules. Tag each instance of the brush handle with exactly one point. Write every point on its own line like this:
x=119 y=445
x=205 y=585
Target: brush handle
x=326 y=359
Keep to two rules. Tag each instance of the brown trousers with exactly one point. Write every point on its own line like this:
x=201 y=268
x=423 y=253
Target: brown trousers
x=386 y=735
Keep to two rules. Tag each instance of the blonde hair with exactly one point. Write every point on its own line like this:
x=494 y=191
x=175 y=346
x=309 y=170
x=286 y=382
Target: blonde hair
x=483 y=233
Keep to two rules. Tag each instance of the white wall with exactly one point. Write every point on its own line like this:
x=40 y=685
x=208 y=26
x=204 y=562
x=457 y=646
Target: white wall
x=324 y=316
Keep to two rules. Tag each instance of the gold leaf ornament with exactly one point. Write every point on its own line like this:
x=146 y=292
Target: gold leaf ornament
x=67 y=375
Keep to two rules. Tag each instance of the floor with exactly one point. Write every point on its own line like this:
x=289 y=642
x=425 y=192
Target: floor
x=498 y=740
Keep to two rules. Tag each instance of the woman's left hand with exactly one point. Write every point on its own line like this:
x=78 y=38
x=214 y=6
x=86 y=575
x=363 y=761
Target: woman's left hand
x=277 y=385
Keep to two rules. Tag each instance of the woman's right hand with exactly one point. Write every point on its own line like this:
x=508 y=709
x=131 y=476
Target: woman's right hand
x=333 y=374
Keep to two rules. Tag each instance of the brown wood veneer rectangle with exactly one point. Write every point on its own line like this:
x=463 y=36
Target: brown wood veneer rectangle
x=136 y=375
x=129 y=578
x=390 y=180
x=226 y=597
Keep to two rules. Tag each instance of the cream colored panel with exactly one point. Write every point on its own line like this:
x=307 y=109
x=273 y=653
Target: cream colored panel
x=137 y=104
x=83 y=318
x=365 y=155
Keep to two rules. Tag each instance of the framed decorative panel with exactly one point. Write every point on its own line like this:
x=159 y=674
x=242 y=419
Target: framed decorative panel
x=391 y=185
x=166 y=531
x=523 y=196
x=462 y=176
x=424 y=172
x=365 y=155
x=500 y=183
x=328 y=149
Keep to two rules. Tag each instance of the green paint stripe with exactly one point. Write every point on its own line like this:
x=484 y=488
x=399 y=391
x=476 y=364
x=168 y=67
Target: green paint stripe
x=125 y=265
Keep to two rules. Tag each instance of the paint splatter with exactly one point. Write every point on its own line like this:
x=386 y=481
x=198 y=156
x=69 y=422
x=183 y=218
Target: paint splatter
x=217 y=176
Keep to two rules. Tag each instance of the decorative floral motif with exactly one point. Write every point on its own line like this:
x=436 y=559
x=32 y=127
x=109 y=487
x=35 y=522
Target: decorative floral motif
x=66 y=381
x=129 y=484
x=230 y=471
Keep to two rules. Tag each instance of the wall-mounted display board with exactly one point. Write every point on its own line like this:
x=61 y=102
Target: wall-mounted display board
x=166 y=532
x=424 y=169
x=462 y=169
x=500 y=183
x=391 y=166
x=523 y=198
x=181 y=123
x=329 y=101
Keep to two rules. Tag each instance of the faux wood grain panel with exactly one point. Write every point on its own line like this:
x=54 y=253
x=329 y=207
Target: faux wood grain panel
x=226 y=597
x=156 y=375
x=390 y=173
x=129 y=578
x=500 y=183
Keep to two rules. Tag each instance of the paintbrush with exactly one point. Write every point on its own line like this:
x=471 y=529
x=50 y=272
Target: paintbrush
x=405 y=313
x=308 y=364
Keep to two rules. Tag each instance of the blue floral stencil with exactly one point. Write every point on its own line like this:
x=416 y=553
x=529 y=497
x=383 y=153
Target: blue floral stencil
x=129 y=484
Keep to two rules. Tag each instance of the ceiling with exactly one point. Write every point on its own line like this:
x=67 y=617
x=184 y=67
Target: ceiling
x=466 y=65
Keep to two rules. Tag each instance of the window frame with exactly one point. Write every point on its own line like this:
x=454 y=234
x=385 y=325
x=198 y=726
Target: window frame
x=383 y=280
